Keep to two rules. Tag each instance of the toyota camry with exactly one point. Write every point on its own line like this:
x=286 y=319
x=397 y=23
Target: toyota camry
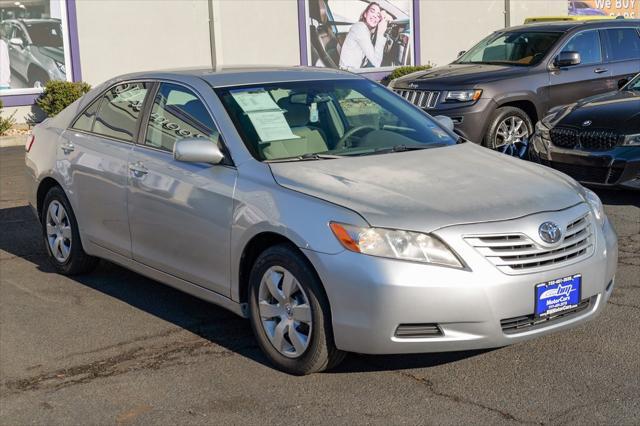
x=330 y=212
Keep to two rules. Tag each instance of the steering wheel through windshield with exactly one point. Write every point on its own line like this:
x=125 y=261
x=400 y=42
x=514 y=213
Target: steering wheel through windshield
x=344 y=141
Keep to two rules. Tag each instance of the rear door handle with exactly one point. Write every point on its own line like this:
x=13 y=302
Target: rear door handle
x=600 y=70
x=138 y=170
x=67 y=148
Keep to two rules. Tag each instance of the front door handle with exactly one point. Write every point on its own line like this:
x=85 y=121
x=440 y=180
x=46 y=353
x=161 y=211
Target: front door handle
x=600 y=70
x=138 y=170
x=67 y=148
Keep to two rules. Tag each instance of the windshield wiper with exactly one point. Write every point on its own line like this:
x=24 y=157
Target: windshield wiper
x=401 y=148
x=306 y=157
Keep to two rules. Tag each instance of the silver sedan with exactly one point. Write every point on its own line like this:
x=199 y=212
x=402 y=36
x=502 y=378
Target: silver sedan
x=331 y=212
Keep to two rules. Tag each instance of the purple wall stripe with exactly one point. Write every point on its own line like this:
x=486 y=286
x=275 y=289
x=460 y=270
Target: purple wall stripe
x=302 y=29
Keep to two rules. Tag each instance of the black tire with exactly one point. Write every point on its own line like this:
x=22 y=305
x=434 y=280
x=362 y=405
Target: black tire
x=37 y=75
x=78 y=261
x=321 y=353
x=498 y=116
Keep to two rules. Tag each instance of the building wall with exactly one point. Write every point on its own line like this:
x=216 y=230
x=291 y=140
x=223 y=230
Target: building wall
x=259 y=32
x=134 y=35
x=521 y=9
x=449 y=26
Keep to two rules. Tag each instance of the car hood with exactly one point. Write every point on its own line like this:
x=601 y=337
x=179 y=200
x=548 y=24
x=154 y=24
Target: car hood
x=53 y=52
x=465 y=74
x=617 y=110
x=433 y=188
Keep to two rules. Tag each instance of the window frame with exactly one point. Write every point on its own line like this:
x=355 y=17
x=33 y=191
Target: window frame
x=605 y=45
x=576 y=34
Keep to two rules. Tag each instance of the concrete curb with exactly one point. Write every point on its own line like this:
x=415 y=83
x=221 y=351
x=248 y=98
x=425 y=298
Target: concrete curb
x=17 y=140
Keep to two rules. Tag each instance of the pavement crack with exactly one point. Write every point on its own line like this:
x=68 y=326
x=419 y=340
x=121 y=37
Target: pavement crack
x=459 y=399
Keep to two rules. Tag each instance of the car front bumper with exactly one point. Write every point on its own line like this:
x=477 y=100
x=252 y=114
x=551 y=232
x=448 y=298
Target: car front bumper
x=471 y=122
x=619 y=167
x=370 y=297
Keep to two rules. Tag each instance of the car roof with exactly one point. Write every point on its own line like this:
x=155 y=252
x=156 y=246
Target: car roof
x=565 y=26
x=245 y=75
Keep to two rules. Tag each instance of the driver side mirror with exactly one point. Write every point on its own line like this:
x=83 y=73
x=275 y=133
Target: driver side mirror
x=445 y=121
x=567 y=59
x=17 y=42
x=197 y=150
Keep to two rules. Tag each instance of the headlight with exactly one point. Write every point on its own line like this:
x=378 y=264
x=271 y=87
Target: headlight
x=60 y=66
x=542 y=130
x=463 y=95
x=632 y=140
x=596 y=205
x=395 y=244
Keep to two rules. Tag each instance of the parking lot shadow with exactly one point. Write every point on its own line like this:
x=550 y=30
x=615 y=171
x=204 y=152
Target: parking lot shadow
x=21 y=237
x=619 y=197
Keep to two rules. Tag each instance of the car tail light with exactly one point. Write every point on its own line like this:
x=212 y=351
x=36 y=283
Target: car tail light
x=30 y=140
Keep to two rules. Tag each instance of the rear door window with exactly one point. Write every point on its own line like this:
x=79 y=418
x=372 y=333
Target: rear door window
x=587 y=44
x=120 y=110
x=622 y=44
x=85 y=121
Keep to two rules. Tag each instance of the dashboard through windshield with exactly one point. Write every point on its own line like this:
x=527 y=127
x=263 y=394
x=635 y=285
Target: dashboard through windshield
x=328 y=119
x=523 y=48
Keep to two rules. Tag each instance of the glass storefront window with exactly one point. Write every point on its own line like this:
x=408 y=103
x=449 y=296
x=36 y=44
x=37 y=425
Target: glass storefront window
x=34 y=45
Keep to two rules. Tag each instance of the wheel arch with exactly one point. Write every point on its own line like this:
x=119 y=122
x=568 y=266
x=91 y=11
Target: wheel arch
x=43 y=188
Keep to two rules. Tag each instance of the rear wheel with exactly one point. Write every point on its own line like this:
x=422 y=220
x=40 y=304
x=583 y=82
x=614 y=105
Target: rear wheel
x=290 y=315
x=61 y=236
x=509 y=131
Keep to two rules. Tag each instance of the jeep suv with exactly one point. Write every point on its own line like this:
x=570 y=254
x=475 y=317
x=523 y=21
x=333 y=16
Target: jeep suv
x=500 y=88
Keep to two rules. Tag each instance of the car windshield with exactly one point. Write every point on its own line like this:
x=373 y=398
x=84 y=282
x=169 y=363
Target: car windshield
x=311 y=120
x=522 y=48
x=45 y=34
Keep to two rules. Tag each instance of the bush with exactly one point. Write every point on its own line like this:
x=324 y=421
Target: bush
x=6 y=123
x=402 y=71
x=60 y=94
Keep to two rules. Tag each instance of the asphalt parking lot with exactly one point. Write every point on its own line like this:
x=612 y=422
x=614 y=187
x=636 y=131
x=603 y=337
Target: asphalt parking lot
x=115 y=347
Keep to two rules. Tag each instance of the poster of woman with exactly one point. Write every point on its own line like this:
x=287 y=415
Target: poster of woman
x=360 y=35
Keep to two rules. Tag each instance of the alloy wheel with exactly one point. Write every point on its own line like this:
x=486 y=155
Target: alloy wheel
x=285 y=312
x=58 y=229
x=512 y=137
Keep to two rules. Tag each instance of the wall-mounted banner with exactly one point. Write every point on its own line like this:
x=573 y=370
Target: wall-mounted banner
x=33 y=45
x=626 y=8
x=360 y=35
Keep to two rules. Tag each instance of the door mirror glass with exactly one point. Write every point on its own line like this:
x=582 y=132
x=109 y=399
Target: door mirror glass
x=197 y=150
x=16 y=42
x=567 y=59
x=445 y=121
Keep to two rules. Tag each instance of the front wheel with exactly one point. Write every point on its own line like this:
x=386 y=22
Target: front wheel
x=290 y=314
x=509 y=131
x=61 y=236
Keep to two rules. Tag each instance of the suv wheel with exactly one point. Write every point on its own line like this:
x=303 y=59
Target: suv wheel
x=61 y=236
x=289 y=313
x=509 y=131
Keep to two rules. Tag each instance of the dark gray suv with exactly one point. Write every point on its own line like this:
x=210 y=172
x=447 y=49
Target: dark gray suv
x=500 y=88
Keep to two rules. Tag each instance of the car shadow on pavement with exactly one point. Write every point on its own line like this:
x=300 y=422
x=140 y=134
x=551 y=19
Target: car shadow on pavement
x=21 y=237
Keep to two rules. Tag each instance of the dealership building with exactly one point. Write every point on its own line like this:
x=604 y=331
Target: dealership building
x=93 y=40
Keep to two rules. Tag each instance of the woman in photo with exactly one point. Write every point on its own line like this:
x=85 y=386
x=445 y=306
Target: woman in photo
x=364 y=45
x=5 y=69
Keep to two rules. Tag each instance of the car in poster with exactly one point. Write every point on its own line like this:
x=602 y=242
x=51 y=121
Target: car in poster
x=584 y=8
x=595 y=140
x=332 y=213
x=499 y=89
x=36 y=50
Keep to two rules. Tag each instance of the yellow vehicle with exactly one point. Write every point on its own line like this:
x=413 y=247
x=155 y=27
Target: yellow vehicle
x=567 y=18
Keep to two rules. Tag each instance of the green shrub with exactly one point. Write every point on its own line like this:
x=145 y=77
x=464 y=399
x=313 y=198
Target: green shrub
x=60 y=94
x=402 y=71
x=6 y=123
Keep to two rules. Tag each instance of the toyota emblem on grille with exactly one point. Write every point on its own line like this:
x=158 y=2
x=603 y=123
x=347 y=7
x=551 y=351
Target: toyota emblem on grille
x=550 y=232
x=587 y=123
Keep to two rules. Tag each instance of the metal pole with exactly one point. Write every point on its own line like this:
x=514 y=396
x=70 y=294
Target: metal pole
x=215 y=34
x=507 y=13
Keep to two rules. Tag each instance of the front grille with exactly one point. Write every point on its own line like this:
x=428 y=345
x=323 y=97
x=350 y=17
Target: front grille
x=528 y=322
x=407 y=331
x=519 y=254
x=602 y=175
x=422 y=98
x=592 y=140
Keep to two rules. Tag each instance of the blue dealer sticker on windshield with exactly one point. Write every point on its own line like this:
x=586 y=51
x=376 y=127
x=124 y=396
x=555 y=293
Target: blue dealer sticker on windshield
x=558 y=295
